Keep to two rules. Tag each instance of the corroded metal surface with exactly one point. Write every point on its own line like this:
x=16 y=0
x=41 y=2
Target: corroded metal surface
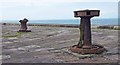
x=84 y=45
x=95 y=49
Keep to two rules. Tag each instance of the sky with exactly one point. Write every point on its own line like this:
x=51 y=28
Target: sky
x=54 y=9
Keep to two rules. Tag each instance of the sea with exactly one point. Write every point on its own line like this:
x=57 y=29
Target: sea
x=111 y=21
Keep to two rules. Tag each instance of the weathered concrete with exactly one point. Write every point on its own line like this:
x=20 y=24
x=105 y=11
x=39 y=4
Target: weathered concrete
x=47 y=44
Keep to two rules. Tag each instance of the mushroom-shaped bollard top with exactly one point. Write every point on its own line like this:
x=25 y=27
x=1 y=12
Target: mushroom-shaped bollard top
x=24 y=20
x=86 y=13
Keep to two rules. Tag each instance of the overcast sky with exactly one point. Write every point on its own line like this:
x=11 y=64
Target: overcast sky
x=54 y=9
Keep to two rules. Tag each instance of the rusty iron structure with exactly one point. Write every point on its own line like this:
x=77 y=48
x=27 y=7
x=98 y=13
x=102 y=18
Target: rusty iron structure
x=23 y=27
x=84 y=45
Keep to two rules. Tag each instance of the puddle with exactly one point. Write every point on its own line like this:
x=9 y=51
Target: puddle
x=43 y=49
x=24 y=48
x=111 y=36
x=7 y=42
x=31 y=46
x=5 y=57
x=13 y=38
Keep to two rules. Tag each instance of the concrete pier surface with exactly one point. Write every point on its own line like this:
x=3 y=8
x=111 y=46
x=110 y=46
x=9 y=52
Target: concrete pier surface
x=50 y=44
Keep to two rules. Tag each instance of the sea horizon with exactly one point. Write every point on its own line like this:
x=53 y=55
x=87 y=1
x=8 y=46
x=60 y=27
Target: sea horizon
x=96 y=21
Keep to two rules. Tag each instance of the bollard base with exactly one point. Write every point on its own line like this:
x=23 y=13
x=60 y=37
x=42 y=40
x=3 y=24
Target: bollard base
x=24 y=31
x=95 y=49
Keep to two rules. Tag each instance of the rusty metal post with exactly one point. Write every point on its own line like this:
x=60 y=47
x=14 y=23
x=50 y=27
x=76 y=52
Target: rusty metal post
x=86 y=32
x=85 y=45
x=23 y=27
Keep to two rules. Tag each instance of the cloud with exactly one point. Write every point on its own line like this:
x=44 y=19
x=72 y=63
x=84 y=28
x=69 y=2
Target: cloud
x=12 y=3
x=38 y=9
x=15 y=3
x=60 y=0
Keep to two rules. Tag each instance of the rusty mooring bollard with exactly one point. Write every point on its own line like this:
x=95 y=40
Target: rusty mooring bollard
x=23 y=27
x=84 y=45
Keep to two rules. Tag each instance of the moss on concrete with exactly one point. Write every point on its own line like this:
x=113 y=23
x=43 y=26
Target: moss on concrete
x=8 y=35
x=17 y=34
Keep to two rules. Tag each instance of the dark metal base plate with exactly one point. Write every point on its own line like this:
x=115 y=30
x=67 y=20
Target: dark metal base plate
x=95 y=49
x=24 y=31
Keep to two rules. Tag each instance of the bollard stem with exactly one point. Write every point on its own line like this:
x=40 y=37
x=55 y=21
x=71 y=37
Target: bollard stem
x=80 y=43
x=87 y=32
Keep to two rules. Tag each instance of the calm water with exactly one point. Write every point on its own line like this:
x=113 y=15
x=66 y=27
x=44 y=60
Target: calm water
x=69 y=21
